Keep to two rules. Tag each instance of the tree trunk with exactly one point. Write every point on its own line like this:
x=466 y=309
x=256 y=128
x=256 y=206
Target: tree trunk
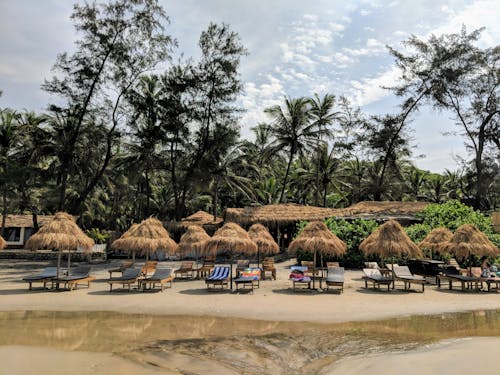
x=4 y=210
x=292 y=153
x=216 y=198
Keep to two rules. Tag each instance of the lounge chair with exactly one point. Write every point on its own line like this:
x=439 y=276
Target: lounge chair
x=77 y=275
x=46 y=276
x=335 y=277
x=161 y=276
x=310 y=266
x=453 y=263
x=332 y=264
x=130 y=276
x=402 y=273
x=186 y=270
x=123 y=266
x=268 y=266
x=219 y=276
x=249 y=277
x=372 y=265
x=149 y=267
x=206 y=268
x=451 y=274
x=374 y=275
x=242 y=265
x=491 y=280
x=299 y=276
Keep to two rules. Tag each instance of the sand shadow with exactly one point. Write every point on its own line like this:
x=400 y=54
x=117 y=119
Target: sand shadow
x=298 y=291
x=205 y=291
x=381 y=291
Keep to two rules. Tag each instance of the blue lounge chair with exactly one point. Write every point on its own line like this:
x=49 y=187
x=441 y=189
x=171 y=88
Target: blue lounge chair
x=130 y=276
x=77 y=275
x=47 y=275
x=161 y=276
x=218 y=276
x=374 y=275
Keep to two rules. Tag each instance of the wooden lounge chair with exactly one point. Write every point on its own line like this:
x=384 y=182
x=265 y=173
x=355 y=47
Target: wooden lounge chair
x=123 y=266
x=130 y=276
x=332 y=264
x=453 y=262
x=372 y=265
x=242 y=265
x=451 y=275
x=310 y=266
x=186 y=270
x=149 y=267
x=402 y=273
x=162 y=276
x=219 y=276
x=206 y=268
x=249 y=277
x=489 y=281
x=373 y=275
x=335 y=277
x=77 y=275
x=299 y=276
x=268 y=266
x=46 y=276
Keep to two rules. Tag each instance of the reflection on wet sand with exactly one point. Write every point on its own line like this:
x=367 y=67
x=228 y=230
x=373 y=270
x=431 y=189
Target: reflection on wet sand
x=233 y=345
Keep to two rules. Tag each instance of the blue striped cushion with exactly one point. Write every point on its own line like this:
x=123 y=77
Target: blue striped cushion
x=219 y=273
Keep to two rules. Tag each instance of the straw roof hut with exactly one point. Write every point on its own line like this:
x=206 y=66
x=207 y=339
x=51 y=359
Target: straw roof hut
x=2 y=243
x=200 y=218
x=316 y=237
x=265 y=242
x=435 y=239
x=468 y=240
x=61 y=233
x=192 y=240
x=390 y=240
x=146 y=238
x=230 y=238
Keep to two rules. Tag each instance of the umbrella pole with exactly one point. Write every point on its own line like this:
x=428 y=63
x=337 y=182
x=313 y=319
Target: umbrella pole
x=69 y=260
x=231 y=275
x=58 y=262
x=314 y=270
x=258 y=258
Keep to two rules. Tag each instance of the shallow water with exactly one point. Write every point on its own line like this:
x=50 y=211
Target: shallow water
x=232 y=344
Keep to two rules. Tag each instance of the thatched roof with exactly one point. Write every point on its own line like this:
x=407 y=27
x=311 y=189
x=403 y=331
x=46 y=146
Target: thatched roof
x=26 y=221
x=2 y=243
x=388 y=240
x=468 y=240
x=435 y=239
x=231 y=239
x=61 y=233
x=146 y=237
x=200 y=218
x=277 y=214
x=265 y=242
x=192 y=239
x=317 y=237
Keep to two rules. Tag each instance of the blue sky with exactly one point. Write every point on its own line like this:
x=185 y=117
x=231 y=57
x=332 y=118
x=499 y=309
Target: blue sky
x=296 y=48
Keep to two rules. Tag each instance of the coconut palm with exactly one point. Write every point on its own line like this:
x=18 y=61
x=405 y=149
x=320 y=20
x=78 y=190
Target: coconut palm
x=293 y=131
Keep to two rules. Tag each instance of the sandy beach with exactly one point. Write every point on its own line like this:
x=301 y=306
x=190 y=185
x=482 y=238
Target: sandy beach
x=187 y=312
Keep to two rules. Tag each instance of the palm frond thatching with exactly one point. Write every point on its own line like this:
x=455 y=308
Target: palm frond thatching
x=61 y=233
x=390 y=240
x=316 y=237
x=231 y=239
x=26 y=221
x=468 y=240
x=200 y=218
x=145 y=238
x=435 y=239
x=2 y=243
x=265 y=242
x=383 y=207
x=192 y=240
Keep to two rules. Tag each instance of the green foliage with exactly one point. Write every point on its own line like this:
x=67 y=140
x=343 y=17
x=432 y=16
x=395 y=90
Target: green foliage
x=417 y=232
x=99 y=236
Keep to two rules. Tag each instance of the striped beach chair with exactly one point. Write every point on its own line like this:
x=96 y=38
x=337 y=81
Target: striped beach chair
x=218 y=276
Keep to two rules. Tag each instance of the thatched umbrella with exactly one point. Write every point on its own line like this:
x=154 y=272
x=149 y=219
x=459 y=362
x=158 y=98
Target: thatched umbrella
x=231 y=239
x=390 y=240
x=2 y=243
x=266 y=244
x=192 y=239
x=118 y=244
x=435 y=239
x=467 y=241
x=61 y=233
x=316 y=237
x=146 y=238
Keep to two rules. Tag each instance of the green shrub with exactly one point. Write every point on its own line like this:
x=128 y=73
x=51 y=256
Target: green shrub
x=99 y=236
x=417 y=232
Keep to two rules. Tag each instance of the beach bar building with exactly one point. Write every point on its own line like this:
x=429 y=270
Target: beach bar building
x=19 y=228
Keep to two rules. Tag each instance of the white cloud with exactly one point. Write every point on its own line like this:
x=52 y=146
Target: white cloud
x=364 y=12
x=369 y=90
x=337 y=27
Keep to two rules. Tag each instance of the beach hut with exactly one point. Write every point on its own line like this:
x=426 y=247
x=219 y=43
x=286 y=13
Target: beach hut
x=316 y=237
x=388 y=241
x=435 y=239
x=61 y=234
x=2 y=243
x=266 y=245
x=192 y=241
x=467 y=241
x=146 y=238
x=232 y=240
x=200 y=218
x=118 y=244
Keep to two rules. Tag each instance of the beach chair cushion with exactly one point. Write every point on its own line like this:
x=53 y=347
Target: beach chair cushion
x=47 y=273
x=374 y=274
x=249 y=274
x=77 y=273
x=403 y=272
x=335 y=275
x=128 y=274
x=298 y=274
x=160 y=274
x=219 y=274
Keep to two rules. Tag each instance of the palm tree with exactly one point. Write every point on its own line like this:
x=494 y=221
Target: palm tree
x=292 y=130
x=322 y=117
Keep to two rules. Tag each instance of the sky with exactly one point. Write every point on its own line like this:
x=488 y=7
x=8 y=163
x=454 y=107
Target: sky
x=296 y=48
